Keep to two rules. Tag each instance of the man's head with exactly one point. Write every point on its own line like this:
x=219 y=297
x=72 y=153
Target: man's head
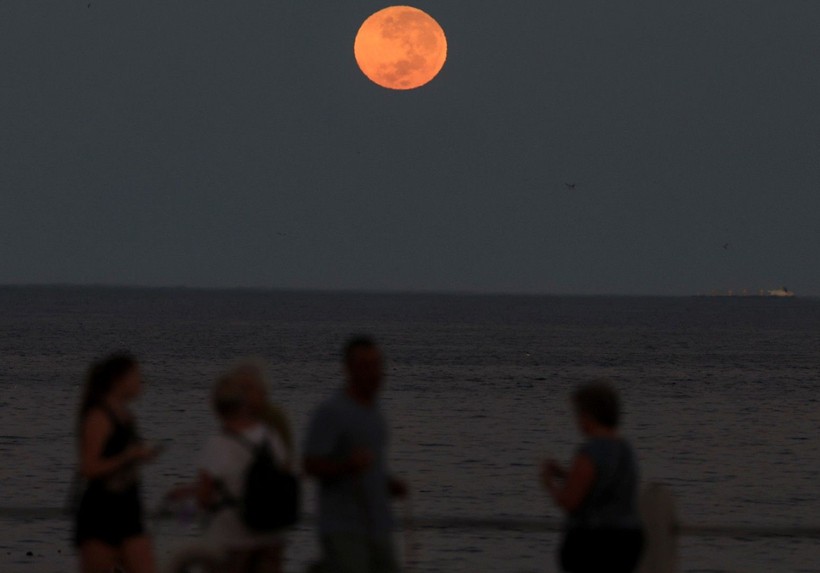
x=597 y=404
x=364 y=366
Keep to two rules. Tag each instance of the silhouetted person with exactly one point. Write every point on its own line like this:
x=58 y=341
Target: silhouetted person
x=109 y=528
x=599 y=492
x=230 y=544
x=346 y=450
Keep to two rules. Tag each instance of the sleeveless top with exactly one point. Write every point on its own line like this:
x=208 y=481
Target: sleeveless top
x=612 y=502
x=123 y=436
x=109 y=508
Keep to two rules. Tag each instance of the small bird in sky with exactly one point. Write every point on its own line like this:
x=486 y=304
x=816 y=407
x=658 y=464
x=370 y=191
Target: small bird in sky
x=725 y=246
x=570 y=186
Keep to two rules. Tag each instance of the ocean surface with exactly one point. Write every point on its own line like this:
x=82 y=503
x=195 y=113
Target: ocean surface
x=721 y=403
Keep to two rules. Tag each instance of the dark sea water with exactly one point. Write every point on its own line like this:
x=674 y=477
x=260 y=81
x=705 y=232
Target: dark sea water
x=721 y=403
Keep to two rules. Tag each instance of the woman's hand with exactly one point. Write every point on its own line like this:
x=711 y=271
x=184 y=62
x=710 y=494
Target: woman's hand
x=556 y=470
x=181 y=492
x=97 y=429
x=577 y=482
x=207 y=493
x=141 y=453
x=397 y=488
x=550 y=472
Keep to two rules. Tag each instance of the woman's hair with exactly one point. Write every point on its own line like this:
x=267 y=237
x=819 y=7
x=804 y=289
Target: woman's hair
x=233 y=390
x=599 y=400
x=252 y=373
x=101 y=378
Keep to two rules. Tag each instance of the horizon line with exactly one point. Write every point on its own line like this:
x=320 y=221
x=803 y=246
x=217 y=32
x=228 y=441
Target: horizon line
x=370 y=291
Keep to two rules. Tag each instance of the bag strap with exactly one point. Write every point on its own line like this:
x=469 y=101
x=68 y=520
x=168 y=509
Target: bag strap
x=242 y=440
x=254 y=448
x=228 y=500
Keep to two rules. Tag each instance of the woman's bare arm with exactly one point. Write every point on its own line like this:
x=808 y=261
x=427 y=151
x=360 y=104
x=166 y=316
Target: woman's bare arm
x=96 y=430
x=206 y=492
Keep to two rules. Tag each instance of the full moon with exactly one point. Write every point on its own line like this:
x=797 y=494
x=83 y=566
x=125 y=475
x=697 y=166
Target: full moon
x=400 y=48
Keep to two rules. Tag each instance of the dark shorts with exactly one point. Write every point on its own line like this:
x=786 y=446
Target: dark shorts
x=108 y=517
x=596 y=550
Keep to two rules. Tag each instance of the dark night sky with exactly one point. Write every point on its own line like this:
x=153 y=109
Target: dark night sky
x=236 y=143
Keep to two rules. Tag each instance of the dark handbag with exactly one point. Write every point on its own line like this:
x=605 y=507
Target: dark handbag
x=271 y=495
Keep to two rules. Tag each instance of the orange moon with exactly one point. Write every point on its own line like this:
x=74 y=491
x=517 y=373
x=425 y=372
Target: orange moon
x=400 y=48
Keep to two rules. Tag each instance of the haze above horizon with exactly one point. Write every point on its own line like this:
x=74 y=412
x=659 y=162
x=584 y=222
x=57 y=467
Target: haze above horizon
x=591 y=147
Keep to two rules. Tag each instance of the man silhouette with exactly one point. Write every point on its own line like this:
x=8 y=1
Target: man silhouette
x=346 y=451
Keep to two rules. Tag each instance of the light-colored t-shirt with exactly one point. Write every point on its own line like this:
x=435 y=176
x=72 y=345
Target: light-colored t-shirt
x=353 y=503
x=226 y=460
